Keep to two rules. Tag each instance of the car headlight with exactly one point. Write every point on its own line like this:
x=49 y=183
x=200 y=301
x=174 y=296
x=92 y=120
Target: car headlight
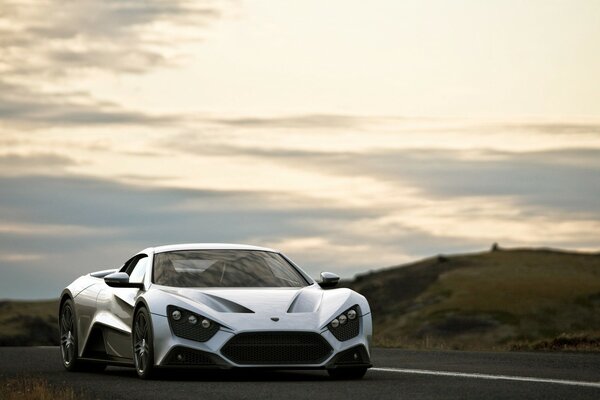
x=351 y=314
x=346 y=325
x=184 y=323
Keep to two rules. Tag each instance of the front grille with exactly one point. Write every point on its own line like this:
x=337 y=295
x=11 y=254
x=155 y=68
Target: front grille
x=185 y=356
x=349 y=330
x=184 y=329
x=279 y=348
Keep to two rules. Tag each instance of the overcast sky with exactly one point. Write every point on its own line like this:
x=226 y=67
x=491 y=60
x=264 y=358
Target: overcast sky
x=350 y=135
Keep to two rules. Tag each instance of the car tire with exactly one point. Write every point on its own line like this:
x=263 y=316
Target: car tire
x=347 y=373
x=67 y=326
x=143 y=344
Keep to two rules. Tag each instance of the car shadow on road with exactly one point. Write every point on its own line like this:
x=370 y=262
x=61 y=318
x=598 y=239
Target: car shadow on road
x=233 y=375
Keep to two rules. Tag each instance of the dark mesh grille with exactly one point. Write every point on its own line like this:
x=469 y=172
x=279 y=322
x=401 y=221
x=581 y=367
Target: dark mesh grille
x=184 y=329
x=185 y=356
x=349 y=330
x=277 y=348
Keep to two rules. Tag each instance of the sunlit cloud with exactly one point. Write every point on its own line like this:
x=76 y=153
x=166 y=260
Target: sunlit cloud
x=52 y=230
x=19 y=258
x=291 y=135
x=51 y=38
x=567 y=179
x=302 y=122
x=50 y=49
x=19 y=164
x=22 y=106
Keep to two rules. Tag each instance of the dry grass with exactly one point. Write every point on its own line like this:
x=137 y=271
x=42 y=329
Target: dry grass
x=566 y=342
x=28 y=323
x=34 y=388
x=435 y=343
x=588 y=342
x=518 y=282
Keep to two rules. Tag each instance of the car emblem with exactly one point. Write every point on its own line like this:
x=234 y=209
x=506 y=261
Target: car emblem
x=274 y=319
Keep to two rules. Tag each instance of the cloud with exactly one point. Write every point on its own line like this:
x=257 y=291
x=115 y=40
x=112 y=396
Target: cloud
x=394 y=124
x=156 y=213
x=557 y=128
x=54 y=38
x=562 y=179
x=18 y=163
x=67 y=226
x=308 y=121
x=18 y=258
x=21 y=106
x=58 y=44
x=568 y=180
x=55 y=230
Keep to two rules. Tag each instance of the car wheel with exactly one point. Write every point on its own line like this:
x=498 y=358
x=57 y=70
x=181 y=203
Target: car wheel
x=347 y=373
x=143 y=344
x=68 y=342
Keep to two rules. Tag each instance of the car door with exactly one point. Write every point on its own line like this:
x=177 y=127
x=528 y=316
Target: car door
x=124 y=298
x=118 y=305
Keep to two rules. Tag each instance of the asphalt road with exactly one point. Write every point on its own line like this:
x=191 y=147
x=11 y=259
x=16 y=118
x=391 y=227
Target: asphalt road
x=398 y=374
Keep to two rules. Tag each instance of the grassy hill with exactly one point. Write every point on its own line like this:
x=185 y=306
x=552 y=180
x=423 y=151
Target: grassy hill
x=28 y=323
x=504 y=299
x=519 y=299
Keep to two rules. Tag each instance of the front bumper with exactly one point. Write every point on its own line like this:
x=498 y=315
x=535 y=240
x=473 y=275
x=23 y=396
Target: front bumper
x=174 y=351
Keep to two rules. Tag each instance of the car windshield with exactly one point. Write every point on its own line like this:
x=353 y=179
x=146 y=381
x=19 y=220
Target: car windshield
x=225 y=268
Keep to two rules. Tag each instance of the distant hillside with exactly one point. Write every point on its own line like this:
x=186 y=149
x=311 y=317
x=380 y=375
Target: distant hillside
x=522 y=298
x=28 y=323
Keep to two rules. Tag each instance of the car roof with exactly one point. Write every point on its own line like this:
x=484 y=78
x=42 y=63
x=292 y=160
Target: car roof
x=208 y=246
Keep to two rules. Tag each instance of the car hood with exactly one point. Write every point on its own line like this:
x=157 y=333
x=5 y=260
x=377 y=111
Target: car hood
x=265 y=308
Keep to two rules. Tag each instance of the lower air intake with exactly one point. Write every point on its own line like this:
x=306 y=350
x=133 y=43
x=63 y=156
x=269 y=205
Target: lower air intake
x=185 y=356
x=278 y=348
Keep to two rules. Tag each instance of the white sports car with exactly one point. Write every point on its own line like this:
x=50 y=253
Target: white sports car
x=213 y=306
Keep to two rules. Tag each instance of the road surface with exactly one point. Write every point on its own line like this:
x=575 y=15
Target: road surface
x=398 y=374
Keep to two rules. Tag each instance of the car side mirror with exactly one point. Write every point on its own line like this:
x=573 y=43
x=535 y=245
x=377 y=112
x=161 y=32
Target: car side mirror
x=328 y=280
x=121 y=280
